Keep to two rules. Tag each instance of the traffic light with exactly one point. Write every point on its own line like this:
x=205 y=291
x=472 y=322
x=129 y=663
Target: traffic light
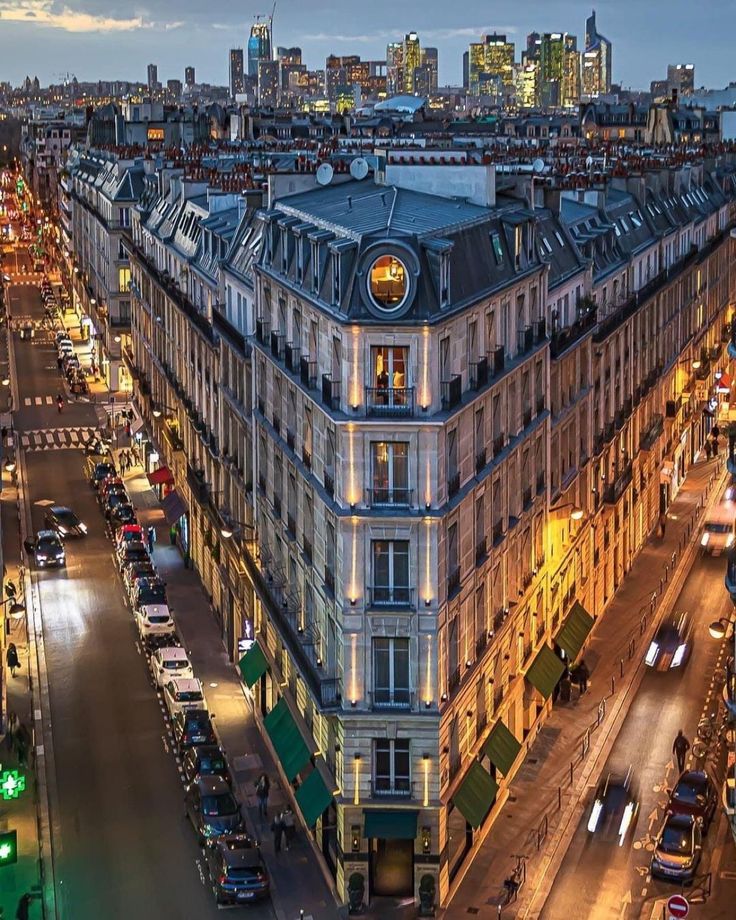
x=8 y=848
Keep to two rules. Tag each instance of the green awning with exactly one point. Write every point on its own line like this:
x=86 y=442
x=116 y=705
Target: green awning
x=476 y=794
x=287 y=740
x=391 y=825
x=501 y=748
x=253 y=664
x=574 y=631
x=545 y=671
x=313 y=797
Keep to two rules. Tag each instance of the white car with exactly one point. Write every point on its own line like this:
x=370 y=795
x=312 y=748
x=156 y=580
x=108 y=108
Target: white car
x=170 y=661
x=65 y=348
x=183 y=693
x=154 y=620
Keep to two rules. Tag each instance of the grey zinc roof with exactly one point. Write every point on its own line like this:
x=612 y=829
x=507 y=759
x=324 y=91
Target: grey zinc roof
x=362 y=208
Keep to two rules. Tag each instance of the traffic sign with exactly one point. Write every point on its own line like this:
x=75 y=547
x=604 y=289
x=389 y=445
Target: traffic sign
x=678 y=907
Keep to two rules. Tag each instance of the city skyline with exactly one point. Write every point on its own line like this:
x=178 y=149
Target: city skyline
x=86 y=38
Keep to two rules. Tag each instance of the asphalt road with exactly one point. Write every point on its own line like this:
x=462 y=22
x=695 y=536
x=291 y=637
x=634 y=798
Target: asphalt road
x=599 y=879
x=122 y=845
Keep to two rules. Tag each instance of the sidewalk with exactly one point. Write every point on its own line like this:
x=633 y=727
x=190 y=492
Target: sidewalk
x=297 y=880
x=550 y=781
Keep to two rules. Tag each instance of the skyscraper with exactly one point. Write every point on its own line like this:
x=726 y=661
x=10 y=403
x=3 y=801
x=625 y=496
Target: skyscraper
x=236 y=72
x=559 y=69
x=189 y=76
x=268 y=82
x=492 y=57
x=152 y=76
x=259 y=46
x=430 y=60
x=412 y=58
x=394 y=67
x=596 y=69
x=681 y=77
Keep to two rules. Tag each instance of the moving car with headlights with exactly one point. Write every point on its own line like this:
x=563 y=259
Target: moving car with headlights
x=671 y=645
x=212 y=808
x=236 y=869
x=615 y=807
x=718 y=530
x=98 y=471
x=193 y=726
x=170 y=661
x=47 y=549
x=65 y=522
x=154 y=620
x=183 y=693
x=678 y=848
x=205 y=760
x=694 y=794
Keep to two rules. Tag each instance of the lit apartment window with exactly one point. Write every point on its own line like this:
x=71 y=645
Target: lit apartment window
x=392 y=771
x=390 y=473
x=124 y=280
x=391 y=672
x=391 y=572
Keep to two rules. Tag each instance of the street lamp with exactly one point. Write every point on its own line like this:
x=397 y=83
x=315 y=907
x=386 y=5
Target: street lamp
x=577 y=513
x=719 y=628
x=158 y=409
x=233 y=527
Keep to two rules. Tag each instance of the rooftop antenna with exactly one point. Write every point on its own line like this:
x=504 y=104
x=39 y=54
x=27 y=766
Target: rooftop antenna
x=537 y=169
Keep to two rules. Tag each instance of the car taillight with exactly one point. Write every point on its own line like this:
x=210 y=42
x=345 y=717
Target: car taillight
x=222 y=879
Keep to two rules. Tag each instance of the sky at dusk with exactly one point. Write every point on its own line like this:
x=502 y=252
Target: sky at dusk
x=101 y=39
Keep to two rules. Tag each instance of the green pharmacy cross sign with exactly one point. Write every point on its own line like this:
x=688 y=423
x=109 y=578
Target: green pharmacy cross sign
x=8 y=848
x=12 y=783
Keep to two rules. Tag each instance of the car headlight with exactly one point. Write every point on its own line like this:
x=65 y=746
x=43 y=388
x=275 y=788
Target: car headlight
x=729 y=493
x=82 y=527
x=704 y=539
x=679 y=655
x=626 y=820
x=62 y=530
x=729 y=540
x=652 y=653
x=595 y=814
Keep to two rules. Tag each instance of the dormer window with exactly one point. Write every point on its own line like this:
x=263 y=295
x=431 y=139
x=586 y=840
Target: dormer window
x=284 y=251
x=444 y=279
x=497 y=248
x=388 y=282
x=315 y=267
x=300 y=259
x=336 y=283
x=517 y=247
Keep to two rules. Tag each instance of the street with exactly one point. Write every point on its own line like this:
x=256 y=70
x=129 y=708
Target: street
x=122 y=846
x=597 y=878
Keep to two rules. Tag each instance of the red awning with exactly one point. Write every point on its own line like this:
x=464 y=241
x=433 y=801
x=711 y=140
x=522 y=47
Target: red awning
x=161 y=476
x=724 y=382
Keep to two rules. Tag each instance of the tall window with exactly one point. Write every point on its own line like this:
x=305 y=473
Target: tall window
x=391 y=672
x=390 y=473
x=124 y=280
x=392 y=772
x=391 y=572
x=390 y=375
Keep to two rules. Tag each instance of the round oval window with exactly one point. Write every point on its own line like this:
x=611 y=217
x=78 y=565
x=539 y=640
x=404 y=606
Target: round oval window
x=388 y=282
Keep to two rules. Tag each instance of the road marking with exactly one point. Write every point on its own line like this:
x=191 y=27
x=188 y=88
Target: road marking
x=653 y=818
x=49 y=437
x=38 y=401
x=199 y=869
x=166 y=745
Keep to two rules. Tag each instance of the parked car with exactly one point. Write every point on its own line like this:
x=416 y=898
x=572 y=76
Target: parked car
x=65 y=522
x=129 y=533
x=615 y=807
x=98 y=471
x=678 y=848
x=670 y=647
x=183 y=693
x=154 y=620
x=205 y=760
x=112 y=483
x=114 y=499
x=236 y=869
x=146 y=591
x=122 y=515
x=132 y=551
x=212 y=808
x=98 y=445
x=193 y=726
x=136 y=570
x=170 y=661
x=47 y=549
x=694 y=794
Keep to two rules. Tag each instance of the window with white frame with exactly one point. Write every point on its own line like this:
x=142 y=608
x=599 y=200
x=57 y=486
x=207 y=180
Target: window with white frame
x=391 y=672
x=392 y=766
x=391 y=571
x=390 y=472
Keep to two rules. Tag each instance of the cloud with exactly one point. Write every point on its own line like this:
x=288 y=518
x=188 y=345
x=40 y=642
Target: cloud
x=470 y=32
x=45 y=13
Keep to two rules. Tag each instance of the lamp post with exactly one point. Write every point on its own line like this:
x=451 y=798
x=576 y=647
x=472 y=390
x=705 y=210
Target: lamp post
x=157 y=409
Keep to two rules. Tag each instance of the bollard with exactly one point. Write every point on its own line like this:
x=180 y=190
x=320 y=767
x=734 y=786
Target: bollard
x=613 y=684
x=621 y=668
x=571 y=769
x=559 y=798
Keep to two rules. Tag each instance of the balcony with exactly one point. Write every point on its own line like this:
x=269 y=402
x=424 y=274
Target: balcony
x=453 y=681
x=453 y=484
x=277 y=506
x=498 y=532
x=563 y=339
x=306 y=458
x=652 y=433
x=673 y=406
x=308 y=372
x=291 y=355
x=481 y=643
x=526 y=497
x=497 y=360
x=525 y=340
x=481 y=550
x=401 y=789
x=291 y=525
x=277 y=345
x=263 y=329
x=616 y=489
x=392 y=698
x=526 y=418
x=390 y=497
x=276 y=422
x=390 y=596
x=540 y=330
x=540 y=404
x=480 y=460
x=330 y=392
x=290 y=438
x=452 y=391
x=478 y=373
x=499 y=618
x=540 y=483
x=389 y=402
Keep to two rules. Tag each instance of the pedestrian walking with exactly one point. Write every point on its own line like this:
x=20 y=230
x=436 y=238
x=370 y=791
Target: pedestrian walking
x=289 y=823
x=708 y=449
x=11 y=657
x=263 y=787
x=60 y=362
x=24 y=908
x=680 y=748
x=277 y=826
x=123 y=462
x=11 y=731
x=583 y=676
x=662 y=524
x=151 y=536
x=172 y=535
x=714 y=446
x=93 y=367
x=23 y=741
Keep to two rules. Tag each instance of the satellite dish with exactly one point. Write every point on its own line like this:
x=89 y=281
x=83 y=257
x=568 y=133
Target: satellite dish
x=538 y=165
x=359 y=168
x=324 y=174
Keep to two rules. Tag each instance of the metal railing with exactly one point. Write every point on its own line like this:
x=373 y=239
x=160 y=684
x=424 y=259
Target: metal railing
x=389 y=402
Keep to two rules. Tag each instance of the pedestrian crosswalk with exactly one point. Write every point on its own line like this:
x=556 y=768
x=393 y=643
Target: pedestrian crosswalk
x=38 y=401
x=56 y=438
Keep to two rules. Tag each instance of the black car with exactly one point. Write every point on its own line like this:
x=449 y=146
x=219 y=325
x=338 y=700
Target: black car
x=236 y=869
x=98 y=471
x=122 y=514
x=212 y=808
x=205 y=760
x=115 y=498
x=615 y=807
x=193 y=726
x=671 y=645
x=148 y=591
x=47 y=549
x=678 y=849
x=694 y=794
x=133 y=551
x=65 y=522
